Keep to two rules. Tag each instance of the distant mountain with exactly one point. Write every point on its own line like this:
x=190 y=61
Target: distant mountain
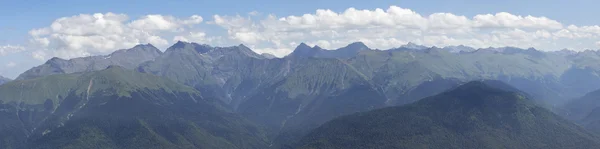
x=350 y=50
x=117 y=108
x=128 y=58
x=584 y=110
x=565 y=52
x=414 y=46
x=294 y=94
x=268 y=56
x=303 y=50
x=409 y=47
x=4 y=80
x=511 y=51
x=473 y=115
x=459 y=49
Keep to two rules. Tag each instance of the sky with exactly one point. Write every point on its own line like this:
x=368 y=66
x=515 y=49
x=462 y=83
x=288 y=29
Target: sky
x=33 y=31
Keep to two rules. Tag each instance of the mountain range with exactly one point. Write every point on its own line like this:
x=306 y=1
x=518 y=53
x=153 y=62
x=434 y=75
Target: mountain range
x=128 y=58
x=261 y=100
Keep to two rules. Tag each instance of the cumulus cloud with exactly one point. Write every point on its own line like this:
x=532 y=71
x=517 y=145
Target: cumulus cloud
x=92 y=34
x=9 y=49
x=395 y=26
x=11 y=64
x=507 y=20
x=101 y=33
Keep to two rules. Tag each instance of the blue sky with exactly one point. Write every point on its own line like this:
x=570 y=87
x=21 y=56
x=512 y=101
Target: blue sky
x=262 y=34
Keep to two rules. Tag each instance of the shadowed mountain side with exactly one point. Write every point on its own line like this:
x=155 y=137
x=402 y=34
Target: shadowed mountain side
x=473 y=115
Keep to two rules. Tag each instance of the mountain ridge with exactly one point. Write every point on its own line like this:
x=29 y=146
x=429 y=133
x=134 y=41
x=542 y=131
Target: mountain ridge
x=473 y=115
x=128 y=58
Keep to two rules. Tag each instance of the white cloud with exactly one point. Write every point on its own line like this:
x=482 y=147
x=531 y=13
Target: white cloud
x=394 y=26
x=9 y=49
x=11 y=64
x=160 y=22
x=92 y=34
x=507 y=20
x=254 y=13
x=39 y=55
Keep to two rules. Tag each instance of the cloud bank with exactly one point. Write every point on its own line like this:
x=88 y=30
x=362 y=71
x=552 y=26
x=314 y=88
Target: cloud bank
x=395 y=26
x=102 y=33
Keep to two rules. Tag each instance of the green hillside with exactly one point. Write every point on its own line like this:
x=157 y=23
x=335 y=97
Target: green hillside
x=117 y=108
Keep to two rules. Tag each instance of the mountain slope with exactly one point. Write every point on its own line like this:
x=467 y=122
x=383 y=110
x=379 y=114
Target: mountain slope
x=315 y=91
x=585 y=111
x=473 y=115
x=128 y=58
x=351 y=50
x=117 y=108
x=4 y=80
x=397 y=72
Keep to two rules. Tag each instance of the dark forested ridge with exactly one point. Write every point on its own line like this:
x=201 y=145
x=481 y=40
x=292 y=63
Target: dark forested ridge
x=473 y=115
x=584 y=110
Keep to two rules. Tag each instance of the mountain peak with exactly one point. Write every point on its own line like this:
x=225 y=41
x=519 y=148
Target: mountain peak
x=189 y=47
x=468 y=113
x=55 y=60
x=303 y=50
x=357 y=46
x=148 y=45
x=244 y=48
x=139 y=50
x=489 y=85
x=178 y=45
x=476 y=94
x=317 y=47
x=303 y=46
x=411 y=45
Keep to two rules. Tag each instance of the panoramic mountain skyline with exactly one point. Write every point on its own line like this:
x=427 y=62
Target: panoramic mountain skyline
x=90 y=28
x=267 y=74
